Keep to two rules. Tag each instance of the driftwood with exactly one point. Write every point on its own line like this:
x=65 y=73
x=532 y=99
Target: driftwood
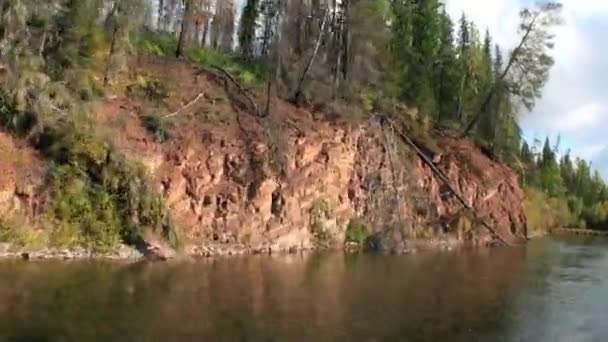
x=185 y=107
x=444 y=179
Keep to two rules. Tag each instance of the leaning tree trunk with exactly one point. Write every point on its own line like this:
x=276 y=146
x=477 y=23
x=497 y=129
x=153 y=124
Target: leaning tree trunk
x=311 y=60
x=492 y=91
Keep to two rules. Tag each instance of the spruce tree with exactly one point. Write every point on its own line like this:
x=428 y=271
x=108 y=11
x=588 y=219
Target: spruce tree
x=446 y=81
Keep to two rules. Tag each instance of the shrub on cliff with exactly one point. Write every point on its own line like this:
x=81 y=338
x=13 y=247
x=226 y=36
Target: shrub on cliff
x=95 y=192
x=357 y=231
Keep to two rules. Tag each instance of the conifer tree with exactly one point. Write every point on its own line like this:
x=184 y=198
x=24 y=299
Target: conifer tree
x=446 y=71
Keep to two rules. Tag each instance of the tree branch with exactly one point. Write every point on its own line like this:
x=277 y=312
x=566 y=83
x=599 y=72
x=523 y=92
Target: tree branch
x=443 y=178
x=185 y=107
x=242 y=90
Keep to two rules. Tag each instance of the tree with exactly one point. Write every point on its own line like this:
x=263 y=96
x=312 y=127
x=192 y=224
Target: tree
x=446 y=71
x=183 y=34
x=77 y=36
x=248 y=28
x=222 y=26
x=425 y=43
x=527 y=69
x=415 y=46
x=124 y=17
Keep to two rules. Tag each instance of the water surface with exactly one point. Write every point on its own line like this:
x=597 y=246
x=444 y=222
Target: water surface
x=551 y=290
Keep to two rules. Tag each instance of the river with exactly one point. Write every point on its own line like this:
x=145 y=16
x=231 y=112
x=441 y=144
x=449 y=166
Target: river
x=554 y=289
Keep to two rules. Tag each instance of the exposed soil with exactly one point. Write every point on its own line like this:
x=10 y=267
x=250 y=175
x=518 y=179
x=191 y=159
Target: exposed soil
x=237 y=183
x=21 y=172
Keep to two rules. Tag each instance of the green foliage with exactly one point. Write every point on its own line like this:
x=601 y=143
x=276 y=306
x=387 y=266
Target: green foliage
x=95 y=189
x=82 y=40
x=357 y=231
x=152 y=90
x=320 y=213
x=560 y=188
x=82 y=213
x=158 y=44
x=158 y=126
x=20 y=234
x=249 y=73
x=163 y=45
x=544 y=212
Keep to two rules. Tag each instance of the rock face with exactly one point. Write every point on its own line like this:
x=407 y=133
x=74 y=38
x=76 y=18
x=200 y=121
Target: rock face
x=21 y=172
x=236 y=184
x=226 y=194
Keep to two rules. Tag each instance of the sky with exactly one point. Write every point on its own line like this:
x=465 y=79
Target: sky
x=575 y=102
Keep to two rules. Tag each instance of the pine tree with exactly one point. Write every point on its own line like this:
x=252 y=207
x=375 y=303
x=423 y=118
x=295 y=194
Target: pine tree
x=464 y=35
x=401 y=49
x=425 y=44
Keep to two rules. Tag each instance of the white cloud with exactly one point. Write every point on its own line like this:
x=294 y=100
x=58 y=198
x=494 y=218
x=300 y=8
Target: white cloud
x=500 y=16
x=586 y=8
x=581 y=118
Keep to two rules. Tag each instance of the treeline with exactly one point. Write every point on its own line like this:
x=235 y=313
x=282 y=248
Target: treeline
x=381 y=53
x=577 y=192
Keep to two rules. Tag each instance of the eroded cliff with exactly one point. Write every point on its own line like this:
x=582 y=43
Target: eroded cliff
x=237 y=183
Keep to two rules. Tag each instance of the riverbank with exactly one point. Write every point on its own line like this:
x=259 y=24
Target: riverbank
x=156 y=253
x=575 y=231
x=230 y=183
x=121 y=252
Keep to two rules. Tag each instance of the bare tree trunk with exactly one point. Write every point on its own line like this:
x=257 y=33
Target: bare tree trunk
x=205 y=33
x=106 y=77
x=445 y=180
x=461 y=97
x=42 y=44
x=345 y=40
x=338 y=29
x=299 y=89
x=184 y=31
x=161 y=13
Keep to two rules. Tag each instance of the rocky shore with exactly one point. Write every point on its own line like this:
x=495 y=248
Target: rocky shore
x=122 y=252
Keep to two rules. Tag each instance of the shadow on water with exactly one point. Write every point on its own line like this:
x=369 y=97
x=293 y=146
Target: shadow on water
x=456 y=296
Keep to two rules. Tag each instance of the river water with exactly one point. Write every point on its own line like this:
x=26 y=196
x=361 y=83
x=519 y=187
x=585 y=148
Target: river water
x=554 y=289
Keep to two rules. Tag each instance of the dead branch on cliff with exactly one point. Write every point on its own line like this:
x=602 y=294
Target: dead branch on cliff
x=271 y=130
x=427 y=160
x=185 y=107
x=224 y=74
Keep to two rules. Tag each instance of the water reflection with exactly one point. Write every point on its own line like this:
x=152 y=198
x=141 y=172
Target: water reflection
x=494 y=294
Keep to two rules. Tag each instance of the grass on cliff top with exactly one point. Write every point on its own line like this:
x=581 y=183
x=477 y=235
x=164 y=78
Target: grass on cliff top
x=165 y=45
